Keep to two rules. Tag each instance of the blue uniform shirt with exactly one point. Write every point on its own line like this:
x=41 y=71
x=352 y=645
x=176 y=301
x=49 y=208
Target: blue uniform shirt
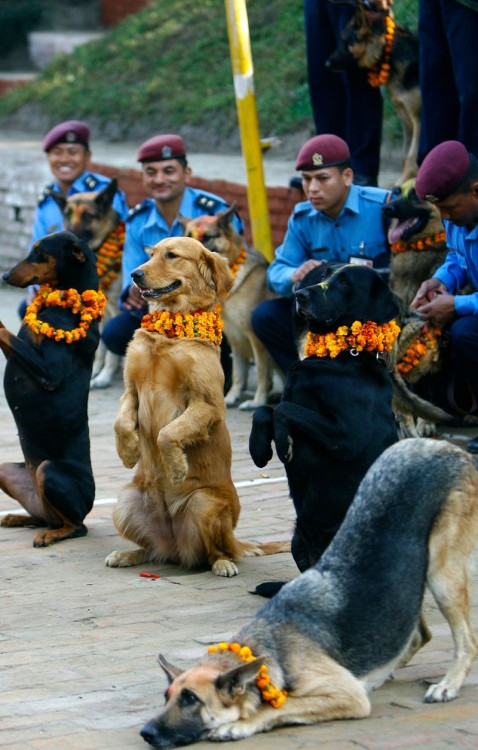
x=357 y=231
x=146 y=227
x=48 y=216
x=461 y=266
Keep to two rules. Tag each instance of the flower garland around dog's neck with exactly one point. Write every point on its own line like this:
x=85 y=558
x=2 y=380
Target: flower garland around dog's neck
x=426 y=243
x=89 y=305
x=268 y=690
x=423 y=343
x=200 y=324
x=108 y=257
x=379 y=74
x=358 y=337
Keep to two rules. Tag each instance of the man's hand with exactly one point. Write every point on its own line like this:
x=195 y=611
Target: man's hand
x=304 y=269
x=134 y=300
x=441 y=309
x=427 y=292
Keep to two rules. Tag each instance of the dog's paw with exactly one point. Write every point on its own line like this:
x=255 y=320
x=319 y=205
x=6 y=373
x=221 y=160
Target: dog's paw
x=127 y=447
x=250 y=405
x=441 y=693
x=233 y=731
x=176 y=467
x=225 y=568
x=127 y=559
x=284 y=449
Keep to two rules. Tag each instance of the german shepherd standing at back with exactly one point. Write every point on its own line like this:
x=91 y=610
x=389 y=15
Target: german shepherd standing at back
x=315 y=651
x=373 y=40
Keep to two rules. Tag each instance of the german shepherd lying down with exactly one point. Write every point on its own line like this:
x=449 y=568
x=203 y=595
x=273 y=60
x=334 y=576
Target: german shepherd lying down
x=249 y=268
x=91 y=217
x=339 y=630
x=365 y=44
x=181 y=505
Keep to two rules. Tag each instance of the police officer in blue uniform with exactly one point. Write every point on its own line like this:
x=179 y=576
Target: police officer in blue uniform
x=165 y=174
x=68 y=152
x=339 y=221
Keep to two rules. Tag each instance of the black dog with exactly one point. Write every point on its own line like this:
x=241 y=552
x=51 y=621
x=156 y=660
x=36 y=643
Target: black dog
x=47 y=383
x=335 y=417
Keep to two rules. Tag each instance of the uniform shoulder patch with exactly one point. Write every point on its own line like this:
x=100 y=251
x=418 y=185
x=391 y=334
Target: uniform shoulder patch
x=91 y=182
x=209 y=204
x=138 y=209
x=45 y=193
x=302 y=207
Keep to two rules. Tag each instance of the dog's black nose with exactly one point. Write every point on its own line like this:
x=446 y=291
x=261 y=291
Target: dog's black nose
x=6 y=275
x=149 y=733
x=301 y=295
x=137 y=275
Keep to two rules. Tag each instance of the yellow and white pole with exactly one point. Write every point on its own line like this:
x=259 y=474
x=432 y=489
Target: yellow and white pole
x=243 y=72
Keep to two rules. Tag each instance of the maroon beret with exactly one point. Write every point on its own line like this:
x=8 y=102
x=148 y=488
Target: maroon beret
x=71 y=131
x=323 y=151
x=162 y=147
x=442 y=171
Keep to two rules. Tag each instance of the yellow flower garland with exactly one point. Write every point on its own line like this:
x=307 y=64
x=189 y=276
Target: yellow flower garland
x=367 y=336
x=425 y=341
x=199 y=324
x=427 y=243
x=269 y=691
x=108 y=257
x=379 y=75
x=89 y=305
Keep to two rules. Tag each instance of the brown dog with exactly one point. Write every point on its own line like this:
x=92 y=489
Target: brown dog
x=373 y=40
x=91 y=217
x=249 y=269
x=317 y=649
x=181 y=505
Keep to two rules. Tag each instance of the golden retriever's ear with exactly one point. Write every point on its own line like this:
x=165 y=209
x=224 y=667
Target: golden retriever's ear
x=215 y=270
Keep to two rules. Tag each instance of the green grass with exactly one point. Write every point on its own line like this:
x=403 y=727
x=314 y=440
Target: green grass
x=169 y=66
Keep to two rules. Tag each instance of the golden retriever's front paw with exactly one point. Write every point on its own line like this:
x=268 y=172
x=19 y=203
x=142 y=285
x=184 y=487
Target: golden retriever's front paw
x=225 y=568
x=128 y=449
x=176 y=467
x=127 y=559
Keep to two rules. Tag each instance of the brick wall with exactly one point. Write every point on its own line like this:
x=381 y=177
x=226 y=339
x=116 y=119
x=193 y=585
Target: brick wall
x=113 y=11
x=281 y=200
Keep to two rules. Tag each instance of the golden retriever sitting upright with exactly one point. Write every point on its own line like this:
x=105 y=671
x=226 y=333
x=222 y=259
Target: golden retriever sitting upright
x=181 y=505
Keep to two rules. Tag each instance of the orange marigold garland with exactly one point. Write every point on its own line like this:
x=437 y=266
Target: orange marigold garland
x=427 y=243
x=89 y=305
x=199 y=324
x=359 y=336
x=238 y=262
x=379 y=74
x=108 y=257
x=425 y=341
x=268 y=690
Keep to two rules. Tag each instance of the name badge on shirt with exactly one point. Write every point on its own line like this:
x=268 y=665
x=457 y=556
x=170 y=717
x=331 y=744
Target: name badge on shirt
x=361 y=259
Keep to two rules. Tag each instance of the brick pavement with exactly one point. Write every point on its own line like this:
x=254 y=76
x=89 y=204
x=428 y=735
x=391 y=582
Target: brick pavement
x=78 y=641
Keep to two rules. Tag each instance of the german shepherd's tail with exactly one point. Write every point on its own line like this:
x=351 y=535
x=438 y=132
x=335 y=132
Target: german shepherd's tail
x=409 y=402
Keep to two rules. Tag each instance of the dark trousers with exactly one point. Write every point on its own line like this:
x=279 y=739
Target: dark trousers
x=272 y=324
x=464 y=346
x=342 y=103
x=448 y=34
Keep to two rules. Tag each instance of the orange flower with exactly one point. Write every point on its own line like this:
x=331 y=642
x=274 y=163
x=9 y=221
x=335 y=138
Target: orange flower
x=379 y=75
x=359 y=336
x=108 y=257
x=199 y=324
x=89 y=305
x=268 y=690
x=424 y=342
x=427 y=242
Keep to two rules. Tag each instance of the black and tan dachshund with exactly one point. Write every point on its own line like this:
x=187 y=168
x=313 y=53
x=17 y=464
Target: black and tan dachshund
x=47 y=380
x=335 y=417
